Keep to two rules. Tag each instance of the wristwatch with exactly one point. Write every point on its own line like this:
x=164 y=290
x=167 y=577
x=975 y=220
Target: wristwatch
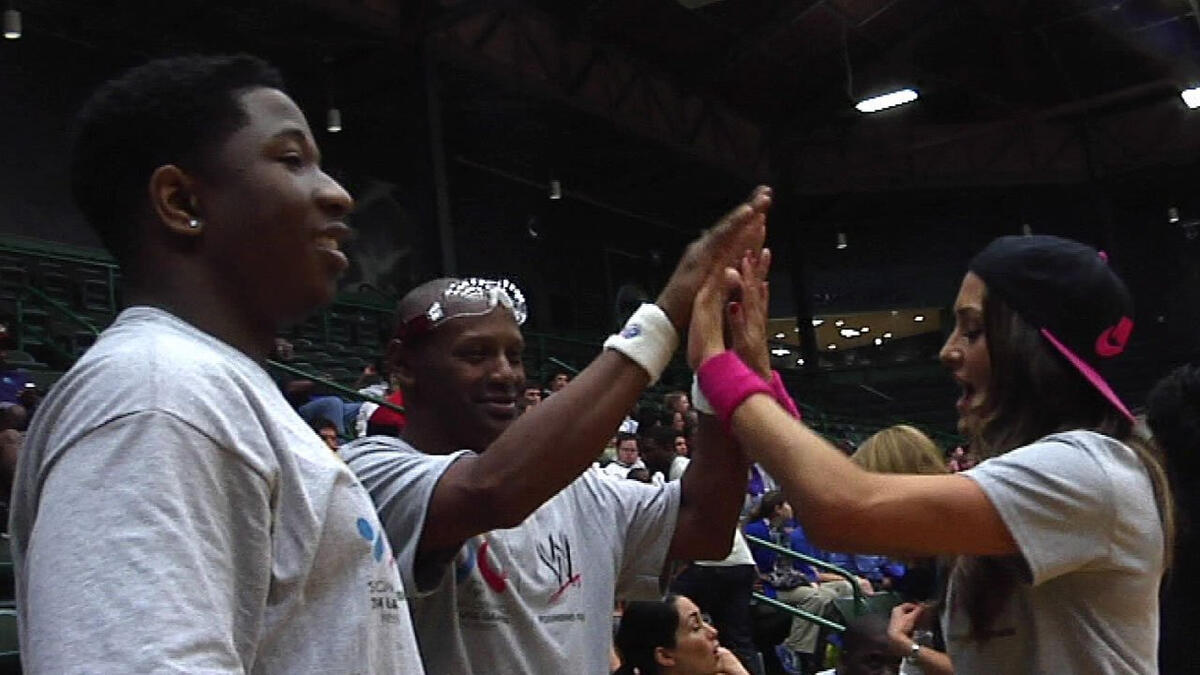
x=913 y=651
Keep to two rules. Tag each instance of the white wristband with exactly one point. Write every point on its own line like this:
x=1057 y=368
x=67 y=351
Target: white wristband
x=699 y=402
x=648 y=339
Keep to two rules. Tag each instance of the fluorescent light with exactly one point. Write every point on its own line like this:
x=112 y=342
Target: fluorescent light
x=919 y=318
x=839 y=323
x=887 y=336
x=818 y=322
x=849 y=333
x=780 y=352
x=780 y=336
x=831 y=346
x=865 y=329
x=12 y=24
x=1191 y=97
x=895 y=98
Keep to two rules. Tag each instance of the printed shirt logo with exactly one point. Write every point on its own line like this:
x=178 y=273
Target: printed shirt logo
x=555 y=554
x=474 y=554
x=1113 y=339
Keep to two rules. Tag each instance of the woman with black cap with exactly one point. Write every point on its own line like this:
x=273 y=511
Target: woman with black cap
x=1063 y=536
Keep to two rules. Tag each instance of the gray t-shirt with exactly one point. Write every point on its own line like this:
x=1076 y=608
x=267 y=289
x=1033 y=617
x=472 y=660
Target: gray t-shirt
x=536 y=598
x=1081 y=509
x=171 y=512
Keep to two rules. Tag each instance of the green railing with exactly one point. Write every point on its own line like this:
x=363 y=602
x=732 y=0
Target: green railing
x=330 y=384
x=860 y=601
x=61 y=309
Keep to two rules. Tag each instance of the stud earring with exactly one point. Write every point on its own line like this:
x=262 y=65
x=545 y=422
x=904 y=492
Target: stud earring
x=194 y=223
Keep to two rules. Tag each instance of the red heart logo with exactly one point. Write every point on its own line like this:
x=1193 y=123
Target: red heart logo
x=1114 y=338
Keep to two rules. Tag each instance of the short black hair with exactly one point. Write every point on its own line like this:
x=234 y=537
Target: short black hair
x=168 y=111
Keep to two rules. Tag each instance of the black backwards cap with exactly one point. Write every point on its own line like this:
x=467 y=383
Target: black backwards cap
x=1067 y=291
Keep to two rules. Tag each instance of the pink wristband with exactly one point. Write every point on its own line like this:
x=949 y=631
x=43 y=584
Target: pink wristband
x=782 y=396
x=726 y=382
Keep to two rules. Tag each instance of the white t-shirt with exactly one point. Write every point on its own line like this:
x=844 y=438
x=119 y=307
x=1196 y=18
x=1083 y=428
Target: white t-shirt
x=1081 y=509
x=615 y=469
x=536 y=598
x=171 y=512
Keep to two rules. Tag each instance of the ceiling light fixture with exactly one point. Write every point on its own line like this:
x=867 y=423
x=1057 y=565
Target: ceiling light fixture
x=333 y=120
x=816 y=322
x=891 y=100
x=799 y=362
x=780 y=352
x=849 y=333
x=887 y=336
x=12 y=23
x=841 y=241
x=832 y=347
x=780 y=336
x=878 y=341
x=919 y=318
x=839 y=323
x=1172 y=214
x=1191 y=97
x=555 y=189
x=865 y=329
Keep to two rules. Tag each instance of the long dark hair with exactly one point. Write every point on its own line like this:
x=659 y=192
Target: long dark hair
x=645 y=626
x=1035 y=392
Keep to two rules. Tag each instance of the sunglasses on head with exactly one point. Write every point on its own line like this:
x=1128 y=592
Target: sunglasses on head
x=464 y=298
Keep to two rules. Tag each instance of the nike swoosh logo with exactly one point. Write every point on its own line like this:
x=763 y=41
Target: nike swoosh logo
x=1113 y=339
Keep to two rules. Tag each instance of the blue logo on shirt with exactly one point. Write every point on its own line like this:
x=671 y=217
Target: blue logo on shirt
x=368 y=532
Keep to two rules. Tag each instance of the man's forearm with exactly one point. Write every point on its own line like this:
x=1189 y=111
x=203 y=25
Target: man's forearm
x=712 y=491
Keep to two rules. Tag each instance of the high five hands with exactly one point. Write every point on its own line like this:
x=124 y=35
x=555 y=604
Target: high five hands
x=730 y=311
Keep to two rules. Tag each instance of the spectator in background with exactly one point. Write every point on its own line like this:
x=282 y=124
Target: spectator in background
x=328 y=432
x=300 y=392
x=658 y=452
x=671 y=637
x=13 y=381
x=792 y=581
x=171 y=511
x=640 y=474
x=557 y=381
x=959 y=459
x=681 y=445
x=531 y=395
x=866 y=649
x=899 y=449
x=628 y=457
x=1173 y=415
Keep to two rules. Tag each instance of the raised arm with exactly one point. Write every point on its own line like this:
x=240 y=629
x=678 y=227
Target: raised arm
x=714 y=485
x=551 y=444
x=843 y=507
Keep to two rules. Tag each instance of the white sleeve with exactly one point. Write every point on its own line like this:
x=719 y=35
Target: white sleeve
x=401 y=483
x=643 y=520
x=150 y=552
x=1057 y=501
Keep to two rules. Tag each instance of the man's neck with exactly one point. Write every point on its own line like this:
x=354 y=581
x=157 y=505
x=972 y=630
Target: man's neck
x=426 y=435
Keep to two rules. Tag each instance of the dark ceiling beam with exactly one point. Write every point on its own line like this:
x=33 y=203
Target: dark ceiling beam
x=724 y=139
